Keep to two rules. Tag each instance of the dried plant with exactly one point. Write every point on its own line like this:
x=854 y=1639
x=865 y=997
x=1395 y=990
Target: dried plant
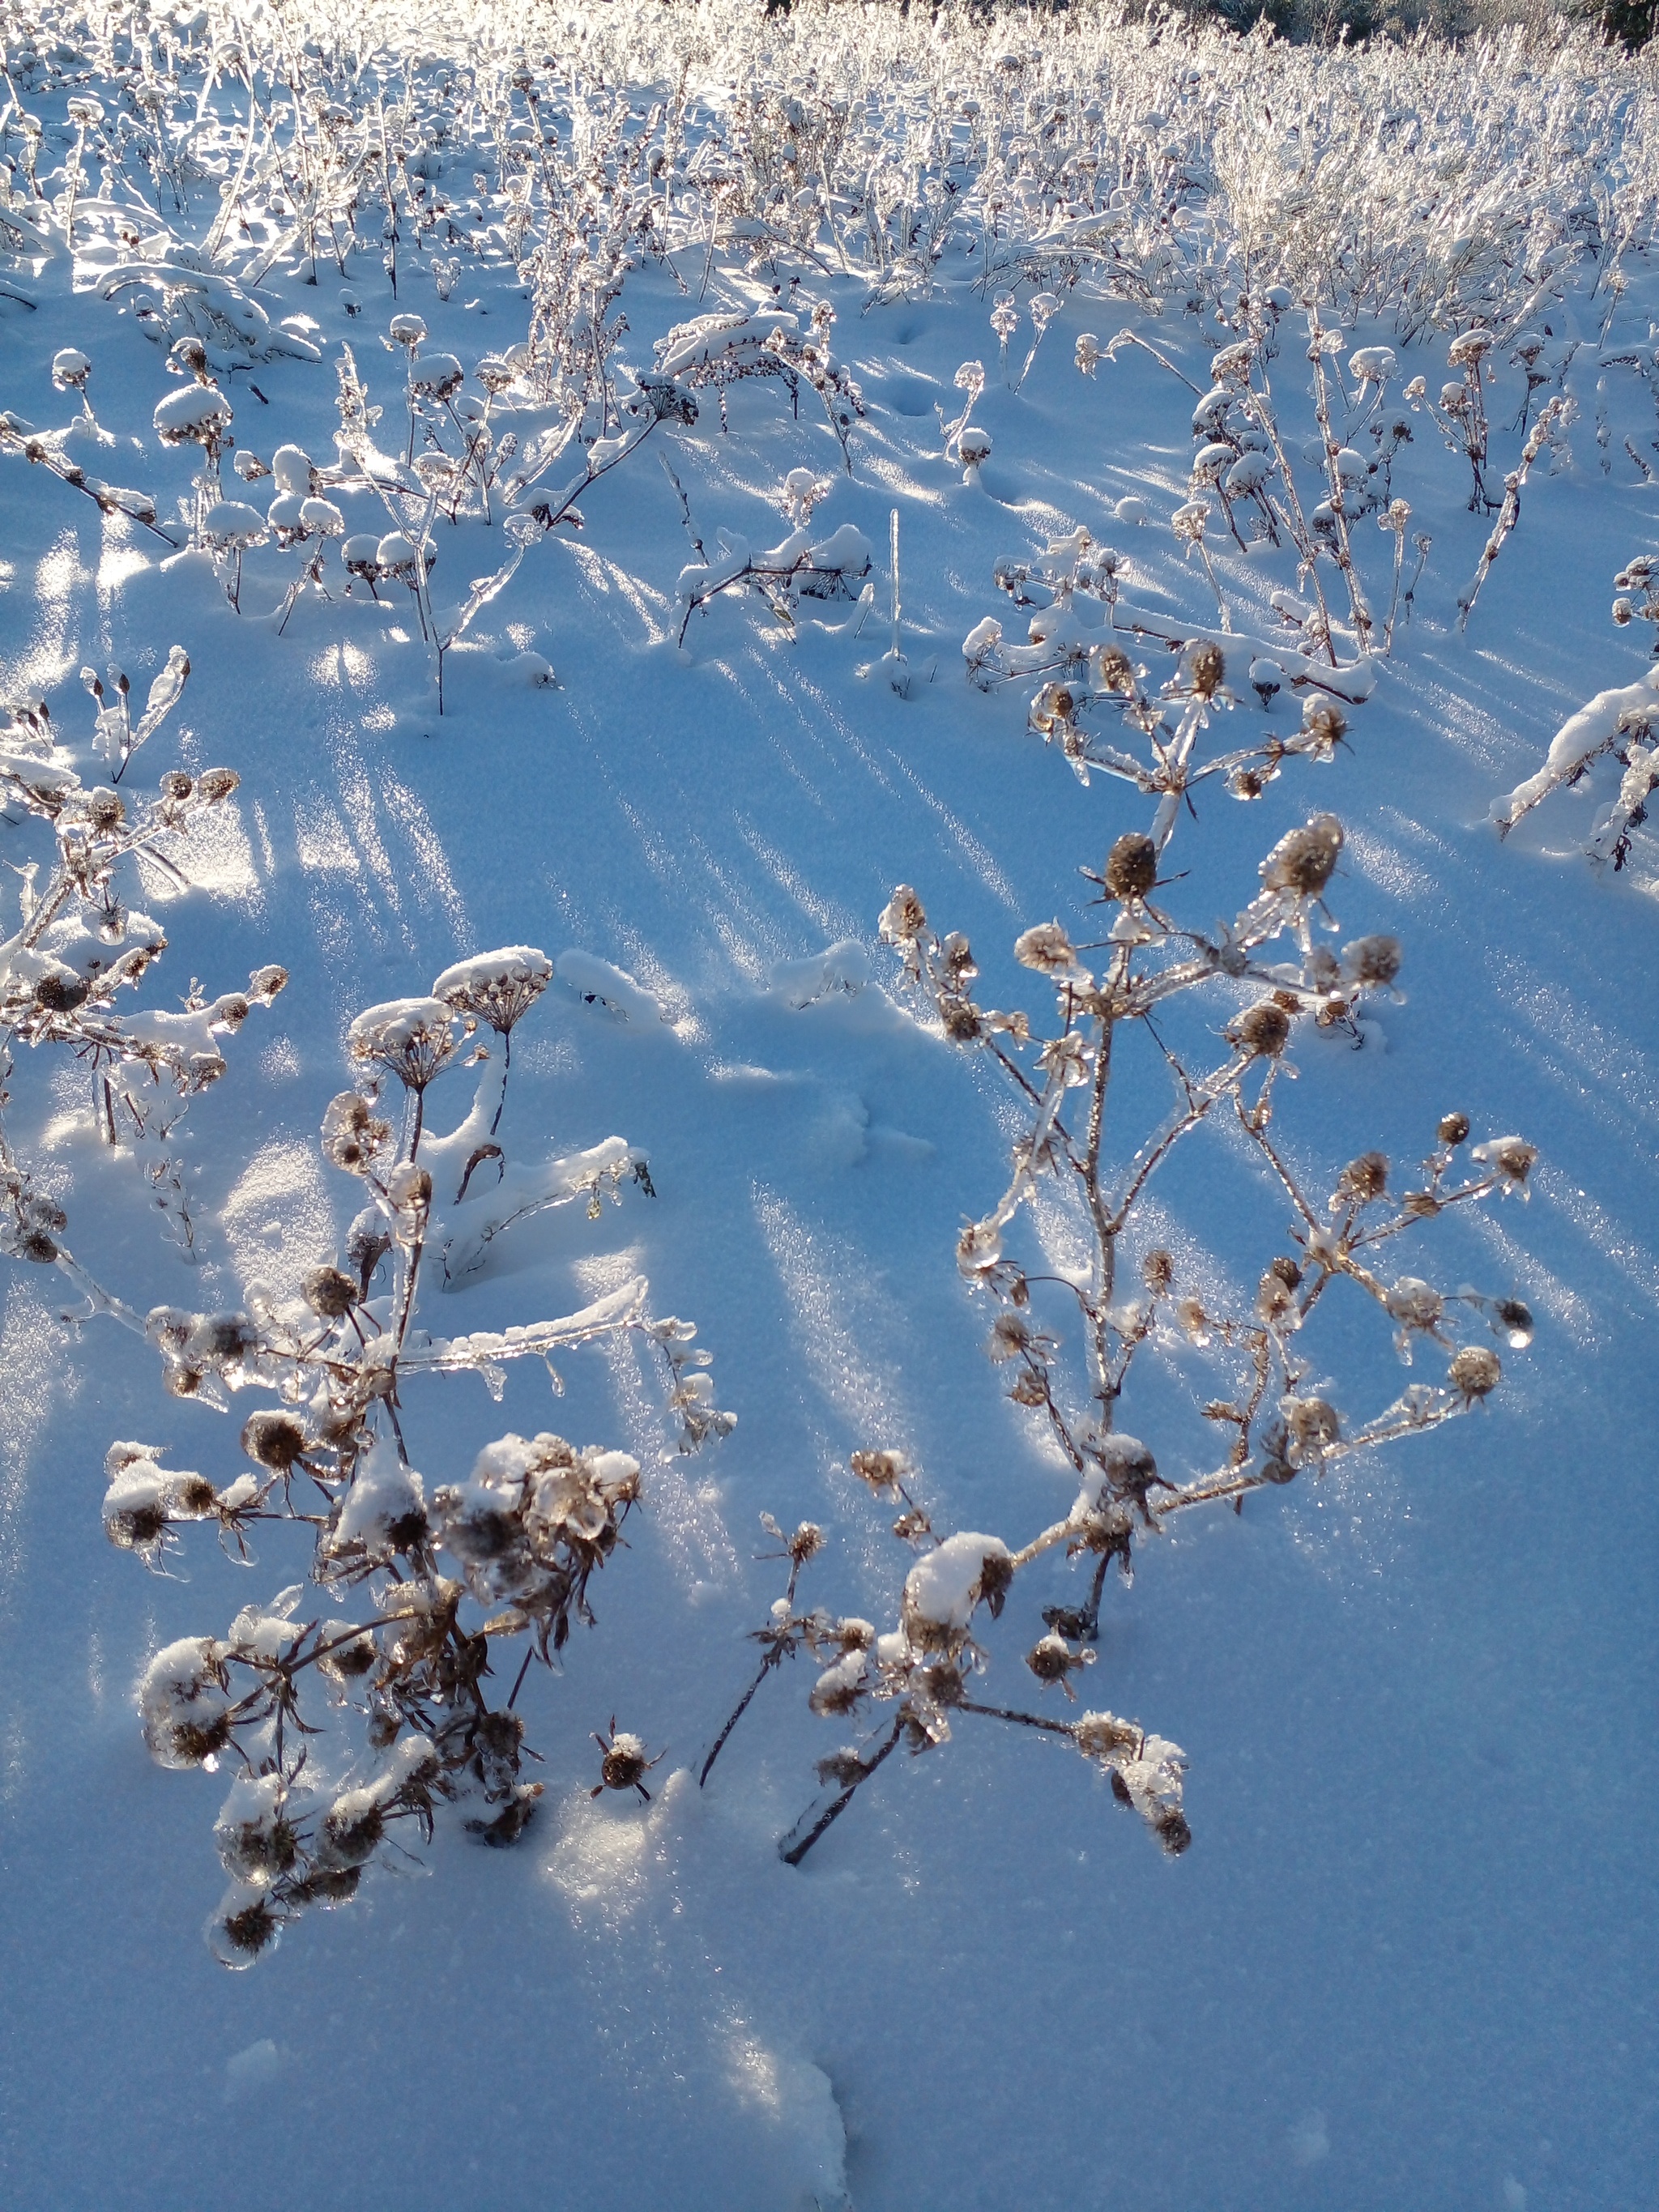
x=79 y=947
x=1278 y=1416
x=833 y=568
x=1621 y=722
x=339 y=1728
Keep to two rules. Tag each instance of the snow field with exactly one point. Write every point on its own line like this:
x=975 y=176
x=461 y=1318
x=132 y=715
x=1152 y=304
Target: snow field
x=1402 y=1963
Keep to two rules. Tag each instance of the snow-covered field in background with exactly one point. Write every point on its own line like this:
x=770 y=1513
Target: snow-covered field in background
x=1408 y=1959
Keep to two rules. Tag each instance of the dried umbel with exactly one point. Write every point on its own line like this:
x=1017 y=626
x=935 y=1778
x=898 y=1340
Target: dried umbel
x=353 y=1138
x=414 y=1039
x=497 y=987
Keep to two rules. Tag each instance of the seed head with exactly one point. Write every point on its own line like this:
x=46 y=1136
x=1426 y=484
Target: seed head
x=1047 y=948
x=241 y=1930
x=1311 y=1425
x=904 y=918
x=1112 y=671
x=1303 y=861
x=882 y=1470
x=328 y=1293
x=1475 y=1372
x=1132 y=866
x=1373 y=962
x=1364 y=1179
x=1511 y=1157
x=1263 y=1029
x=1157 y=1271
x=1207 y=667
x=273 y=1440
x=1325 y=722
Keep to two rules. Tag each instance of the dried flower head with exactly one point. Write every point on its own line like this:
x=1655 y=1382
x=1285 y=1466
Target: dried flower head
x=1103 y=1735
x=414 y=1039
x=1301 y=863
x=1206 y=666
x=1113 y=670
x=1132 y=866
x=1510 y=1159
x=497 y=987
x=1311 y=1427
x=1363 y=1179
x=904 y=918
x=882 y=1470
x=1157 y=1271
x=1010 y=1336
x=1474 y=1372
x=245 y=1925
x=1262 y=1030
x=1325 y=724
x=1372 y=963
x=328 y=1293
x=1048 y=949
x=624 y=1765
x=352 y=1138
x=1053 y=1661
x=273 y=1440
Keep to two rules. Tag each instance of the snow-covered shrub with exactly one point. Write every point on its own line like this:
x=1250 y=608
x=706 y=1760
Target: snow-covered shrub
x=345 y=1727
x=1621 y=722
x=798 y=568
x=79 y=947
x=1277 y=1417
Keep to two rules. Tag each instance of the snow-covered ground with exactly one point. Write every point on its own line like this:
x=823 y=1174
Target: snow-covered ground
x=1408 y=1960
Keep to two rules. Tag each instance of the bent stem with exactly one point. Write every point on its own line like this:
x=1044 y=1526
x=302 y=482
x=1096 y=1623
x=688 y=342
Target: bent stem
x=792 y=1852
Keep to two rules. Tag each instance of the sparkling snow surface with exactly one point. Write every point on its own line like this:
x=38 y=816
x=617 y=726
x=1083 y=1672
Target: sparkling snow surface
x=1408 y=1961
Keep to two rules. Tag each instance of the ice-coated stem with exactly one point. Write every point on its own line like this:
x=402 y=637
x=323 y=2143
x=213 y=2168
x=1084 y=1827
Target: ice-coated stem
x=793 y=1847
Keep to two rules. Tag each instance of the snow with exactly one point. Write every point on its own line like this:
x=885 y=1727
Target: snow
x=945 y=1586
x=190 y=412
x=1402 y=1962
x=600 y=983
